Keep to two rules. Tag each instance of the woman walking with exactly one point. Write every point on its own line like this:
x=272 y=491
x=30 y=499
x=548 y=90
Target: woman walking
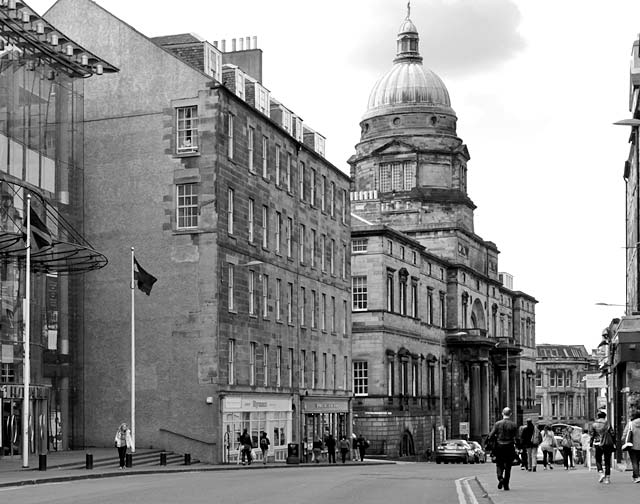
x=123 y=441
x=602 y=437
x=632 y=430
x=567 y=449
x=548 y=446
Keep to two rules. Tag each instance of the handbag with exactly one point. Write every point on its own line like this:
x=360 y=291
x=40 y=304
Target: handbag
x=606 y=439
x=628 y=440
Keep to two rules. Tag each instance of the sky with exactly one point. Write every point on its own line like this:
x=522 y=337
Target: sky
x=536 y=86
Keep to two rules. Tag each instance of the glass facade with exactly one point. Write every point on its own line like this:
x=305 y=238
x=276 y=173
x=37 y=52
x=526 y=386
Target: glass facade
x=41 y=138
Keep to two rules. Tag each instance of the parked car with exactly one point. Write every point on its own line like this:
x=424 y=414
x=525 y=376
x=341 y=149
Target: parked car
x=479 y=454
x=455 y=450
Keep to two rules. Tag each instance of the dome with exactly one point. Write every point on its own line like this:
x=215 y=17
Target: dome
x=408 y=83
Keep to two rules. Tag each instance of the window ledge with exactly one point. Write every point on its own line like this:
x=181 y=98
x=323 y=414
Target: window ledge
x=186 y=154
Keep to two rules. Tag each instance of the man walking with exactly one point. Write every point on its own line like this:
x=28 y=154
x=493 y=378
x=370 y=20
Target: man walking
x=504 y=434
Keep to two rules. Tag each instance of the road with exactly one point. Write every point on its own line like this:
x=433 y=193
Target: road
x=373 y=484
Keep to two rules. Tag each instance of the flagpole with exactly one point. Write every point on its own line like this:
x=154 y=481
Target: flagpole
x=27 y=358
x=133 y=358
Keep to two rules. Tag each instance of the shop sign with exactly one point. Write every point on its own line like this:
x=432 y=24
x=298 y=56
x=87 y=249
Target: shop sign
x=324 y=405
x=255 y=403
x=464 y=428
x=595 y=381
x=17 y=392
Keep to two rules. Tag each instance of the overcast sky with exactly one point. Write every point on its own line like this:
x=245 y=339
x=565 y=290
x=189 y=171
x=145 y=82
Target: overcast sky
x=536 y=86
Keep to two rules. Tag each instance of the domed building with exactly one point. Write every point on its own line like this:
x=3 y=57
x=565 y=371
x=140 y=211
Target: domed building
x=441 y=341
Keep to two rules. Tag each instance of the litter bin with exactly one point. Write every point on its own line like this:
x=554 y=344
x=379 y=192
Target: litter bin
x=293 y=453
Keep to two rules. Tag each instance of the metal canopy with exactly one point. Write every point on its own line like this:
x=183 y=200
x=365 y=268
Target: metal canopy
x=66 y=250
x=23 y=29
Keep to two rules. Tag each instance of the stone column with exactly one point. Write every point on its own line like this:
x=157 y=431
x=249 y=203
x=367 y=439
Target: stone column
x=476 y=403
x=484 y=391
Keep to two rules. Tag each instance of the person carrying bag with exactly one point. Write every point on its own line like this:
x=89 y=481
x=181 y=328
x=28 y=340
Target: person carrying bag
x=631 y=435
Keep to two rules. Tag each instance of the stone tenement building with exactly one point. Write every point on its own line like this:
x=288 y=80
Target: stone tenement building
x=562 y=395
x=227 y=198
x=440 y=338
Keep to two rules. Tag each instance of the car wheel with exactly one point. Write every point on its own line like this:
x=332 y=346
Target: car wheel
x=438 y=461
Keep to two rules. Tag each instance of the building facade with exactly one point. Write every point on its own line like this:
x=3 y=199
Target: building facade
x=442 y=342
x=42 y=77
x=562 y=395
x=227 y=198
x=622 y=336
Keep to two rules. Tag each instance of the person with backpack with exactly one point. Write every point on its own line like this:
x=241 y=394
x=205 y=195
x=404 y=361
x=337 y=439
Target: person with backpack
x=264 y=446
x=532 y=446
x=362 y=444
x=602 y=437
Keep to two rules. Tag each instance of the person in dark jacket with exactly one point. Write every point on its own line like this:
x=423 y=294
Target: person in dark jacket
x=504 y=434
x=344 y=448
x=363 y=444
x=602 y=437
x=245 y=447
x=331 y=448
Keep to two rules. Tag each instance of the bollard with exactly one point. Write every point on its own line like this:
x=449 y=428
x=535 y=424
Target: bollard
x=163 y=458
x=89 y=461
x=128 y=461
x=187 y=459
x=42 y=462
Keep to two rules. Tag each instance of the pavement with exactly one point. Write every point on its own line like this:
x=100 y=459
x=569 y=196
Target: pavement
x=574 y=486
x=71 y=465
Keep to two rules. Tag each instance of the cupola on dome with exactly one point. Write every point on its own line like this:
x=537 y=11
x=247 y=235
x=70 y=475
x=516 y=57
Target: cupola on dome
x=408 y=83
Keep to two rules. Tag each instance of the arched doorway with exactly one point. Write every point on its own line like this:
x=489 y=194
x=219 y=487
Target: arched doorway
x=406 y=445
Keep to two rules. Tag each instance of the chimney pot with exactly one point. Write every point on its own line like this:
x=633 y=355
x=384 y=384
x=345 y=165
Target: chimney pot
x=248 y=43
x=255 y=42
x=233 y=45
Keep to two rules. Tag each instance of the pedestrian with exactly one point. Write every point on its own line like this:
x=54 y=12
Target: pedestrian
x=344 y=448
x=632 y=434
x=317 y=450
x=602 y=438
x=521 y=451
x=246 y=445
x=548 y=446
x=534 y=442
x=567 y=449
x=354 y=447
x=362 y=444
x=264 y=446
x=585 y=442
x=331 y=448
x=526 y=436
x=123 y=441
x=503 y=435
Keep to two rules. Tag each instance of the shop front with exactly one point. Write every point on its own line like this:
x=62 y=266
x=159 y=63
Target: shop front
x=321 y=416
x=11 y=397
x=256 y=413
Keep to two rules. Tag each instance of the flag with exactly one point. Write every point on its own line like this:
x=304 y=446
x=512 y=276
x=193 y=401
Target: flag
x=39 y=232
x=145 y=280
